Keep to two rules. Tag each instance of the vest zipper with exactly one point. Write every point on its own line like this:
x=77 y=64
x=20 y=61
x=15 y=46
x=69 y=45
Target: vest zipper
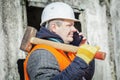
x=66 y=53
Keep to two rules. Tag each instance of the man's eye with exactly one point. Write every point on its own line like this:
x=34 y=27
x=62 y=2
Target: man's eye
x=69 y=25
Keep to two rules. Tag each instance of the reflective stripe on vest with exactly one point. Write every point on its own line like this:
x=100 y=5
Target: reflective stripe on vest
x=61 y=57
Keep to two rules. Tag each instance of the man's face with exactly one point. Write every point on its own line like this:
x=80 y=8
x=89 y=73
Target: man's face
x=66 y=30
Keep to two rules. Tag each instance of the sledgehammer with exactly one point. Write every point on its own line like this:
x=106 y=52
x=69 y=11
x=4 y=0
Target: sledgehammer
x=29 y=40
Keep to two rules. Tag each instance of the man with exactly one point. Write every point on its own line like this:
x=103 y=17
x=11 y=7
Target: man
x=47 y=63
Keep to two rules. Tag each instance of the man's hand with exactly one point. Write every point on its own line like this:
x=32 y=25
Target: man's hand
x=84 y=40
x=87 y=52
x=78 y=39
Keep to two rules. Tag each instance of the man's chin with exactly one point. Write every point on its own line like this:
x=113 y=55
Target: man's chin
x=70 y=40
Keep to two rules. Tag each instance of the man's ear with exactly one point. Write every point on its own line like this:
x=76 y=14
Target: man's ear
x=53 y=28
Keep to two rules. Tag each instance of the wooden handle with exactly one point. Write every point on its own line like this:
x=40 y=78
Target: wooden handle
x=100 y=55
x=64 y=47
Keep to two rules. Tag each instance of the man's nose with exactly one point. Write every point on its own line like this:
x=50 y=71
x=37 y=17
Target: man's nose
x=73 y=29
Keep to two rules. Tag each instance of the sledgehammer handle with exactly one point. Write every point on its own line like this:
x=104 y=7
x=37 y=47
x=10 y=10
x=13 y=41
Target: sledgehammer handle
x=65 y=47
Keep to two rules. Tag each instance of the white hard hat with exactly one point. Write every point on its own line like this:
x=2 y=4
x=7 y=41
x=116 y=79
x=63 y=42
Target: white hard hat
x=57 y=10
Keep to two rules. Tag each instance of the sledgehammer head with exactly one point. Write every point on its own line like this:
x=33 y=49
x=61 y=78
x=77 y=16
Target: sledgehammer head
x=29 y=33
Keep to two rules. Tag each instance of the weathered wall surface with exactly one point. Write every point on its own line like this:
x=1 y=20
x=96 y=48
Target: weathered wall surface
x=115 y=21
x=11 y=31
x=98 y=35
x=95 y=27
x=100 y=23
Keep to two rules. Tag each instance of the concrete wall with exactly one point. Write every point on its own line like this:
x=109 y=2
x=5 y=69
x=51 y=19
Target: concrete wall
x=11 y=32
x=97 y=34
x=115 y=21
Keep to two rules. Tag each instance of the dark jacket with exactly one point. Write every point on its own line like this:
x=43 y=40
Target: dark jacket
x=42 y=65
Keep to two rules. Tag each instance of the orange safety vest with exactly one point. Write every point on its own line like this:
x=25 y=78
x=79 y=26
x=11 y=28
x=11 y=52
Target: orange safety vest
x=60 y=56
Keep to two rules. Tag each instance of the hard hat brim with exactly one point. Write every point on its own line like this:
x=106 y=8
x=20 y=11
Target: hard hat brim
x=75 y=20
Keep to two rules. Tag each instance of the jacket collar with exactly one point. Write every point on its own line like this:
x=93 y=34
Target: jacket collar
x=44 y=33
